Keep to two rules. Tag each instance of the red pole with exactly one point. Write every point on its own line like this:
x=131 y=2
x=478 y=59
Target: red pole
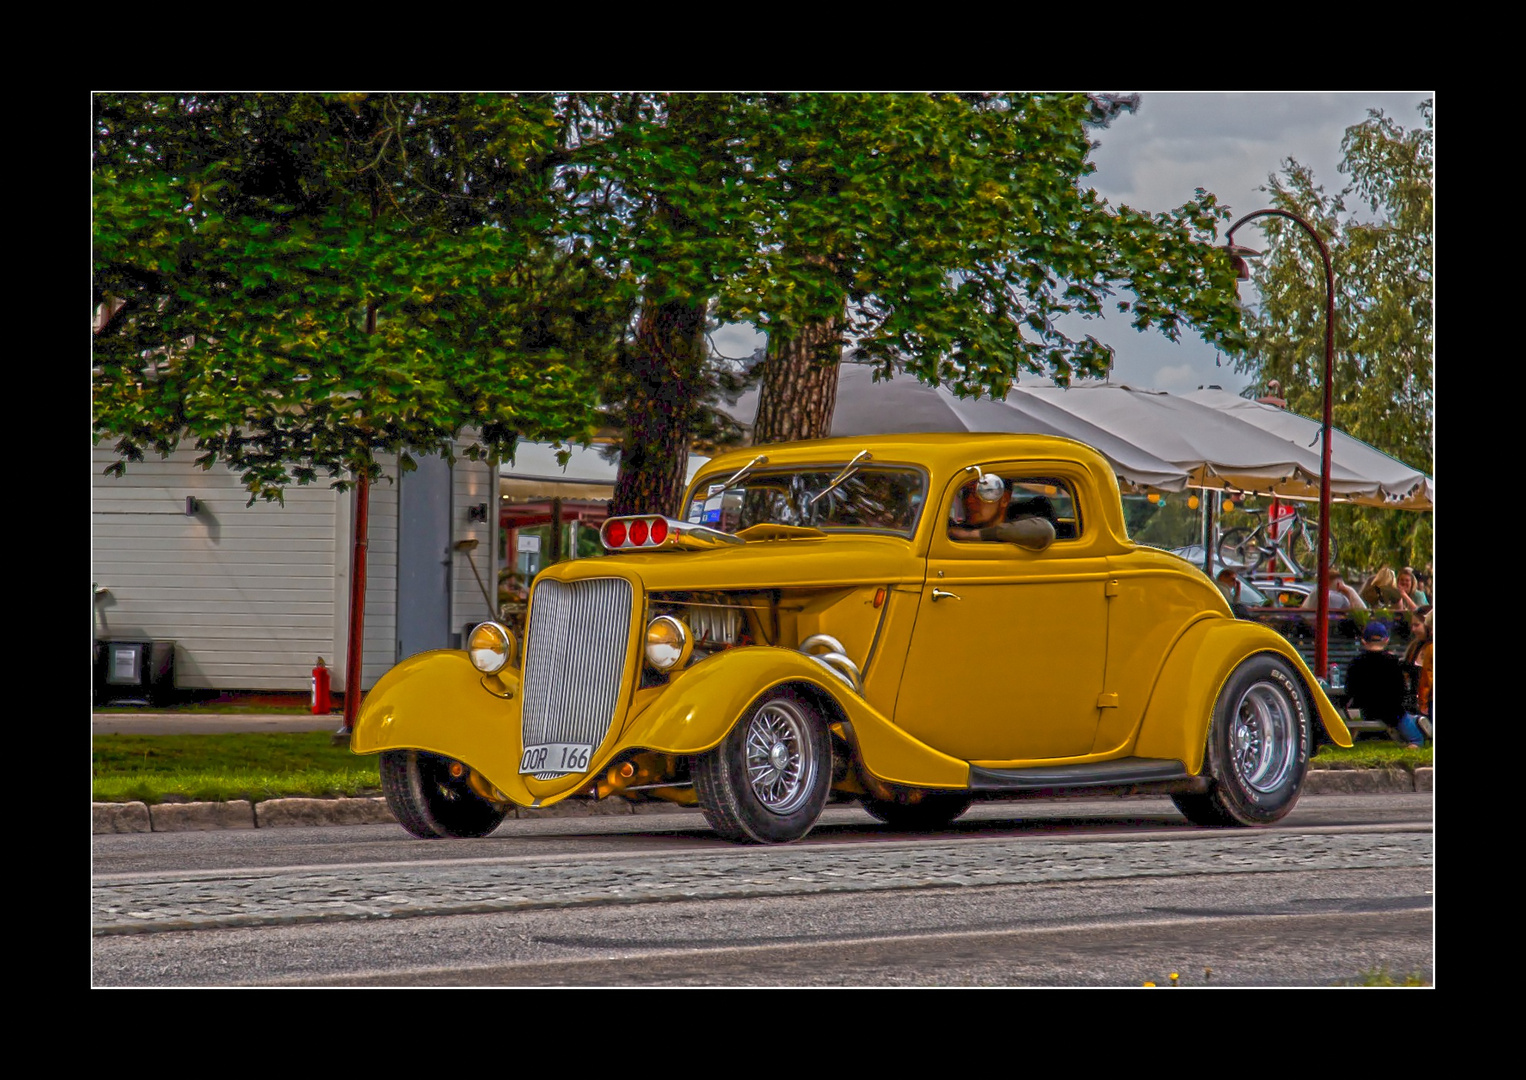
x=354 y=654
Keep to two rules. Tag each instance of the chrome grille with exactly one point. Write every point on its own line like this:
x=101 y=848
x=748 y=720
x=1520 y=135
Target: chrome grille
x=575 y=650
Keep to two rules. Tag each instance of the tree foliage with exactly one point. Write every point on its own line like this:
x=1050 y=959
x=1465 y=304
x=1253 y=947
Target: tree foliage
x=298 y=282
x=518 y=254
x=1382 y=254
x=941 y=234
x=949 y=235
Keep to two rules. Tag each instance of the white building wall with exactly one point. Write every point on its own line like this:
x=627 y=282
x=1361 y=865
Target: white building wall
x=245 y=592
x=251 y=595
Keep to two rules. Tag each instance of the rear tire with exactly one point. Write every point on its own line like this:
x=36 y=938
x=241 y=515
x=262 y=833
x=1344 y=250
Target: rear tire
x=1258 y=747
x=431 y=803
x=769 y=778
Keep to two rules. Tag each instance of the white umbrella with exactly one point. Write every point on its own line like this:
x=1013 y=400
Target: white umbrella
x=1216 y=449
x=903 y=404
x=1398 y=484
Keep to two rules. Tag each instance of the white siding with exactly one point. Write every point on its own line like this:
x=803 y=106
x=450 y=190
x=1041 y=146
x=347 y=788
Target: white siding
x=251 y=595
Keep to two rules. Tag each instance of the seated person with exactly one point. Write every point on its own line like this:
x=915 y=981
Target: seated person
x=1342 y=596
x=1375 y=684
x=1382 y=591
x=1229 y=584
x=984 y=511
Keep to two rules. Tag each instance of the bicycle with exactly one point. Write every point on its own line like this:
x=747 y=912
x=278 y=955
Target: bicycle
x=1292 y=540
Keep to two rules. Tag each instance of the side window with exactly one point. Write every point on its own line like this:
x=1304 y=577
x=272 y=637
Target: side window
x=1047 y=497
x=1008 y=495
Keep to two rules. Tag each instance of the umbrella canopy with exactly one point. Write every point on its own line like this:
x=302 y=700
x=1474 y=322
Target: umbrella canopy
x=902 y=405
x=1215 y=448
x=1398 y=484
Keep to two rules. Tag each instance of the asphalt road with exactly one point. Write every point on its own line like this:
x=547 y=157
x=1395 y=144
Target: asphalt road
x=1081 y=893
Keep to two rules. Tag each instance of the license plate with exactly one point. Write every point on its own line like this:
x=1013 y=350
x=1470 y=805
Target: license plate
x=558 y=758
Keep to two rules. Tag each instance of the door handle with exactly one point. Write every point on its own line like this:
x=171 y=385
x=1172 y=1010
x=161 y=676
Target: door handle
x=939 y=594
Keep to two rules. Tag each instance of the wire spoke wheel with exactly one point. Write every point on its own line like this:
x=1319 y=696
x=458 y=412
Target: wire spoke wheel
x=769 y=778
x=776 y=761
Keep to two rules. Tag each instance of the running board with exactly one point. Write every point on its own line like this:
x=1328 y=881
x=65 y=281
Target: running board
x=1129 y=772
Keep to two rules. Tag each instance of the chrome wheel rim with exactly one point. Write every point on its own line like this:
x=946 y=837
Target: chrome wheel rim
x=780 y=763
x=1264 y=737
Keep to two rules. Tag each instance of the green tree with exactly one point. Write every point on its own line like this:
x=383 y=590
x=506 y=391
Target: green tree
x=949 y=234
x=300 y=282
x=944 y=234
x=1382 y=255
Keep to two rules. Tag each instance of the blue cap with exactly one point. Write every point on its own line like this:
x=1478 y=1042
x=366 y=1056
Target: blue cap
x=1375 y=631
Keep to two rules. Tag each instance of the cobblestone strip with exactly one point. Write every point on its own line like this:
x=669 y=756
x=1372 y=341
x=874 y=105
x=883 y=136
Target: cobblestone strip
x=206 y=899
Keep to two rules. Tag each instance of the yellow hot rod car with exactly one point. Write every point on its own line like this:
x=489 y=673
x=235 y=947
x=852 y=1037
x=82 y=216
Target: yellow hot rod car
x=824 y=622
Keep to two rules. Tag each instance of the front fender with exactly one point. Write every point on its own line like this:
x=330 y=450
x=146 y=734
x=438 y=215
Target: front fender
x=1175 y=723
x=700 y=706
x=437 y=701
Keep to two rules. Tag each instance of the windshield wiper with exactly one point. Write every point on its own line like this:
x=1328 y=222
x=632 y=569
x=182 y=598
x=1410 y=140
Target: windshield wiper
x=848 y=470
x=761 y=459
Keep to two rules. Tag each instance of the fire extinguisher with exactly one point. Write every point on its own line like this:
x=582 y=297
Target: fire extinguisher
x=321 y=703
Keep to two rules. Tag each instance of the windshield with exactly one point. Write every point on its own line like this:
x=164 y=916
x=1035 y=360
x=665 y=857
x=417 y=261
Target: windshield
x=870 y=499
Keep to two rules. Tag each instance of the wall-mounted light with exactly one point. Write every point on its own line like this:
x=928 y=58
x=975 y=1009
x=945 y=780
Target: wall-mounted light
x=476 y=512
x=191 y=506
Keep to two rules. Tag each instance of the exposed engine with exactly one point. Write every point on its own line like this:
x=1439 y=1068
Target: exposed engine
x=718 y=621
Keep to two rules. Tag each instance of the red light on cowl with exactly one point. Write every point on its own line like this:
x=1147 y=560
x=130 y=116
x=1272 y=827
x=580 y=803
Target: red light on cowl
x=638 y=532
x=659 y=531
x=614 y=534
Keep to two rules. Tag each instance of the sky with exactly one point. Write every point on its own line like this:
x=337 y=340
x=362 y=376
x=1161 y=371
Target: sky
x=1228 y=143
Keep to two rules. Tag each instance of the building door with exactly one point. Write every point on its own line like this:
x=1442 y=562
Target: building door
x=423 y=558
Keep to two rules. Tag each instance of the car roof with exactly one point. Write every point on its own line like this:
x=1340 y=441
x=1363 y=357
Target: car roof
x=938 y=451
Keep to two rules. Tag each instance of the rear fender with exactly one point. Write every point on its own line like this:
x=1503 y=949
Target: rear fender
x=700 y=706
x=1175 y=723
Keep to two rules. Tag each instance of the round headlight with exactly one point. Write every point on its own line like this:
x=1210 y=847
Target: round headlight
x=490 y=647
x=668 y=643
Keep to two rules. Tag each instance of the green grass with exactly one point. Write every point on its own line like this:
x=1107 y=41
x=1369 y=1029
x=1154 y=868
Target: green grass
x=1381 y=976
x=1371 y=754
x=258 y=766
x=216 y=768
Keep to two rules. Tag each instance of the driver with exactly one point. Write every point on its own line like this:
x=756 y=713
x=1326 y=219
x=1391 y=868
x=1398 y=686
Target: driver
x=983 y=510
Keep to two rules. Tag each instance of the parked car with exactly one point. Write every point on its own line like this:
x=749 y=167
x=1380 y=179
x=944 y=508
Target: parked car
x=810 y=629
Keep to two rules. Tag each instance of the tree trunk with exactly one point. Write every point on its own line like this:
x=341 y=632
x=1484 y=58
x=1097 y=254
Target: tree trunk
x=664 y=373
x=798 y=393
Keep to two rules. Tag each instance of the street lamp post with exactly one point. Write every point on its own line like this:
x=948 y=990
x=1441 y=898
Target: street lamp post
x=1322 y=634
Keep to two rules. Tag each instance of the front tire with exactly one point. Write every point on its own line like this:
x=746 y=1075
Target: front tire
x=769 y=778
x=1258 y=747
x=933 y=810
x=430 y=802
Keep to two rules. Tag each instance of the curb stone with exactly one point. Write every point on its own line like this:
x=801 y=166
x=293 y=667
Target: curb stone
x=199 y=816
x=1358 y=781
x=131 y=817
